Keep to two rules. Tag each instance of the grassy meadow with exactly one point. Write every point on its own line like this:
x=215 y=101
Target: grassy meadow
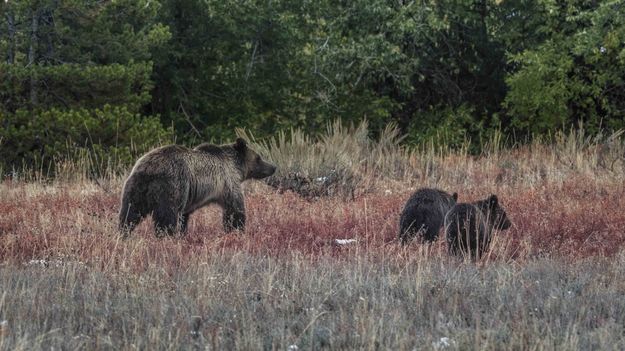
x=554 y=281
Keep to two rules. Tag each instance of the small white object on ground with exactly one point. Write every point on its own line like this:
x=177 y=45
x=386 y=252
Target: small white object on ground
x=344 y=241
x=321 y=179
x=443 y=343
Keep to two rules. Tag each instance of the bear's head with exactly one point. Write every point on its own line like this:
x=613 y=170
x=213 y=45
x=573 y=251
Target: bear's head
x=454 y=199
x=497 y=216
x=254 y=167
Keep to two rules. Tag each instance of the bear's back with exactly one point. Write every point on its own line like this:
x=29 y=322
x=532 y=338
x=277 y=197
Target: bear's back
x=463 y=211
x=433 y=199
x=465 y=217
x=167 y=159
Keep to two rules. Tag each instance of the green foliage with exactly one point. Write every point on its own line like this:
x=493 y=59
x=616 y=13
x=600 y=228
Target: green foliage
x=574 y=77
x=444 y=126
x=270 y=66
x=76 y=81
x=111 y=133
x=231 y=64
x=70 y=86
x=86 y=32
x=539 y=93
x=446 y=73
x=456 y=69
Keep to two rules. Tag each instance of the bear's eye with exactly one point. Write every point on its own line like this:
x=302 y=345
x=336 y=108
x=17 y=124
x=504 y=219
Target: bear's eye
x=257 y=158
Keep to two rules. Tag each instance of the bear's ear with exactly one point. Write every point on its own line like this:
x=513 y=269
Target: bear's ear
x=455 y=197
x=493 y=201
x=240 y=144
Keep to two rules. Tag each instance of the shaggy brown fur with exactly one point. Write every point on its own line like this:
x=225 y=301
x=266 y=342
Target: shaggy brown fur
x=469 y=227
x=171 y=182
x=424 y=214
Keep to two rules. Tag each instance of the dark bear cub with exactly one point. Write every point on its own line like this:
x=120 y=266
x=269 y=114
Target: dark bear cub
x=171 y=182
x=424 y=214
x=469 y=227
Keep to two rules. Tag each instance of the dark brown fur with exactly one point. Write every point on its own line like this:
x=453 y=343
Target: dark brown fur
x=469 y=227
x=171 y=182
x=424 y=214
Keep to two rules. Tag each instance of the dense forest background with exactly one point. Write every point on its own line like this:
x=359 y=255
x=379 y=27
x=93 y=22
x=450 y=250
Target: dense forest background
x=116 y=77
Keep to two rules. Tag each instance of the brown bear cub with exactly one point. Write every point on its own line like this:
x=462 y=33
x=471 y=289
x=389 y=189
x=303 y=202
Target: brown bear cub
x=469 y=227
x=424 y=214
x=173 y=181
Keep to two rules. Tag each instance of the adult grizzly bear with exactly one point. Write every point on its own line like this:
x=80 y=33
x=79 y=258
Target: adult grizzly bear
x=173 y=181
x=424 y=214
x=469 y=227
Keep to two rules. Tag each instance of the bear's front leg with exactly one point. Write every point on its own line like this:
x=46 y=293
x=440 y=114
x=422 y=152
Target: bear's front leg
x=165 y=219
x=234 y=212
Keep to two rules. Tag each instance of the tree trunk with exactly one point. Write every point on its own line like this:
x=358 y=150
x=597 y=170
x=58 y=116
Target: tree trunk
x=47 y=19
x=32 y=52
x=10 y=16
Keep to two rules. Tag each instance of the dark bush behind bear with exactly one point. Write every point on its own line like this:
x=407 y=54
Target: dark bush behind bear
x=469 y=226
x=173 y=181
x=424 y=214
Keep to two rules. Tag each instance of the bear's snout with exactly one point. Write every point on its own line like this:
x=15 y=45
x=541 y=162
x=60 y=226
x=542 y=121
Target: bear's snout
x=505 y=224
x=263 y=170
x=270 y=169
